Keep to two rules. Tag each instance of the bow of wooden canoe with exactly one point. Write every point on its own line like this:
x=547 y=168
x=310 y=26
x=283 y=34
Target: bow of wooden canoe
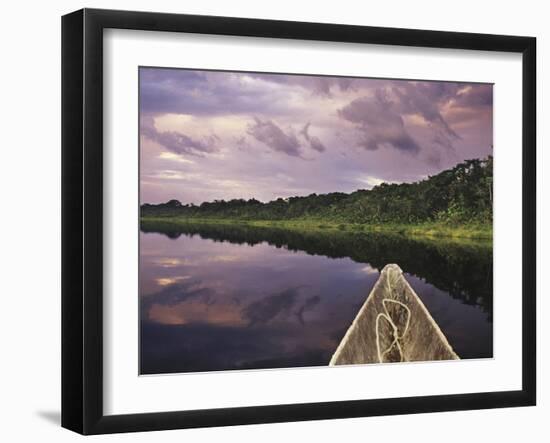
x=393 y=325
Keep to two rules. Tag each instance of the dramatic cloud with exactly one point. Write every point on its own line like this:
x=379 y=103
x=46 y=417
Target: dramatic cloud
x=274 y=137
x=380 y=123
x=474 y=96
x=178 y=142
x=209 y=135
x=208 y=93
x=316 y=85
x=313 y=141
x=425 y=99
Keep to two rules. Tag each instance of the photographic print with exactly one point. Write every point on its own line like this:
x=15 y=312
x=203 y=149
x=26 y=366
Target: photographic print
x=304 y=220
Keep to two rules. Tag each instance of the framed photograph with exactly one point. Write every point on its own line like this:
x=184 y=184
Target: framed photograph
x=269 y=221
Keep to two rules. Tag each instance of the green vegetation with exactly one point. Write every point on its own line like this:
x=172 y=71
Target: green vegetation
x=454 y=203
x=419 y=229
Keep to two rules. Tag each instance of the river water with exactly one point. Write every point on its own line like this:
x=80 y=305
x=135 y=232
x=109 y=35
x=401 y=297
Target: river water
x=230 y=297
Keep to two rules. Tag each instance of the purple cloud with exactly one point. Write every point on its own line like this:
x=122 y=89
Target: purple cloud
x=274 y=137
x=379 y=123
x=425 y=99
x=199 y=93
x=314 y=142
x=316 y=85
x=178 y=142
x=475 y=96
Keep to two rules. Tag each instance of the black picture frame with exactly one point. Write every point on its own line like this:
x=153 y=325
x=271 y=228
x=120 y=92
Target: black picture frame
x=82 y=219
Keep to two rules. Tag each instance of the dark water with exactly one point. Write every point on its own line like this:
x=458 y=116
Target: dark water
x=229 y=297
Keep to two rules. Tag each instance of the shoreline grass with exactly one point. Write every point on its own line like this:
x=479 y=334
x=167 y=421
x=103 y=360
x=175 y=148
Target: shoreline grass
x=428 y=229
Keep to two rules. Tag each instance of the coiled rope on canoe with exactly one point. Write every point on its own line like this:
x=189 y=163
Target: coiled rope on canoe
x=395 y=331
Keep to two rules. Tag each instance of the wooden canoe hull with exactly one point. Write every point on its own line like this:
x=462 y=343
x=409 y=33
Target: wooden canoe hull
x=393 y=325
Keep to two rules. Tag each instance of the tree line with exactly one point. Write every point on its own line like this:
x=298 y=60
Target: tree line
x=463 y=194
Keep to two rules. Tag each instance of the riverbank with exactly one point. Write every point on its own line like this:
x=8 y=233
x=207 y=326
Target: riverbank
x=466 y=231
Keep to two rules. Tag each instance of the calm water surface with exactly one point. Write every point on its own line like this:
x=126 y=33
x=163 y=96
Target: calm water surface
x=219 y=298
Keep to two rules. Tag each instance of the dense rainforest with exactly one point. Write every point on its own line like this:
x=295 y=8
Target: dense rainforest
x=461 y=195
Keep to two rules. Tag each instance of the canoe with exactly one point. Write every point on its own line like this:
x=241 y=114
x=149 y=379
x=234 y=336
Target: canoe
x=393 y=325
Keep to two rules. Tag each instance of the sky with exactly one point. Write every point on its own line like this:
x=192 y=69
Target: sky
x=211 y=135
